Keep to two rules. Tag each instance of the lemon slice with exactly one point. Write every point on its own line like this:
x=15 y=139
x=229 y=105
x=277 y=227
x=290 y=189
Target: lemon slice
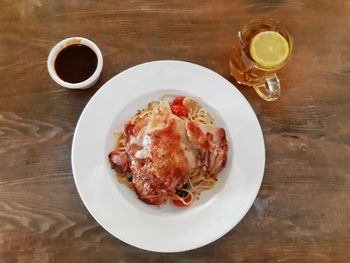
x=269 y=48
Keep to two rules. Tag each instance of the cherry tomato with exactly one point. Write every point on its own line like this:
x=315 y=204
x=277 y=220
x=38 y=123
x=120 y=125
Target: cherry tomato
x=178 y=100
x=178 y=203
x=179 y=110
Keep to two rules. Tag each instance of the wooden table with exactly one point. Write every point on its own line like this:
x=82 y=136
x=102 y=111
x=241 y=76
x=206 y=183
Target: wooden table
x=302 y=212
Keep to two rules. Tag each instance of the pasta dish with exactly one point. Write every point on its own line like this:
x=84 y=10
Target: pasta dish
x=170 y=151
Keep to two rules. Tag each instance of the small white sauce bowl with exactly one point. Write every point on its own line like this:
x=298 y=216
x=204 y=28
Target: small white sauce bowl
x=74 y=41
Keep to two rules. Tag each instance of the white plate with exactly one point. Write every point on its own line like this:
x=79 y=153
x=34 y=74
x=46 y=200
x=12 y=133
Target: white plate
x=167 y=228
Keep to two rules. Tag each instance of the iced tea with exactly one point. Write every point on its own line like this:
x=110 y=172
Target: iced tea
x=246 y=70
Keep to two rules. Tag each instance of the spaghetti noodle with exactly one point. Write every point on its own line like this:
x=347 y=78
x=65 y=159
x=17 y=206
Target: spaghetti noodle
x=199 y=179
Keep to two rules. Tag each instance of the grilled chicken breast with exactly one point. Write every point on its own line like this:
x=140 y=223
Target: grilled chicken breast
x=162 y=150
x=161 y=155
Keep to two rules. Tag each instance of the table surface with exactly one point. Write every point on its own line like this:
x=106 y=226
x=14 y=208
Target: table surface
x=302 y=212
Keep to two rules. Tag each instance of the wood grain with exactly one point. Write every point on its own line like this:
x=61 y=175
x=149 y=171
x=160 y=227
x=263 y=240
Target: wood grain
x=302 y=212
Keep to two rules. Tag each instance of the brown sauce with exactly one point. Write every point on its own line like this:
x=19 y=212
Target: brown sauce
x=75 y=63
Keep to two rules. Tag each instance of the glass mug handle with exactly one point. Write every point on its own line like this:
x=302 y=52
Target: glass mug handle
x=270 y=90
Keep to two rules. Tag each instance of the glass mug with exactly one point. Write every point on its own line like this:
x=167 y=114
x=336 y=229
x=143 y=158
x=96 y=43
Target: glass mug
x=246 y=71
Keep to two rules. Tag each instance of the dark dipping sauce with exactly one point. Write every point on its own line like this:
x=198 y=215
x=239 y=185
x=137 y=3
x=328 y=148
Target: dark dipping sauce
x=75 y=63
